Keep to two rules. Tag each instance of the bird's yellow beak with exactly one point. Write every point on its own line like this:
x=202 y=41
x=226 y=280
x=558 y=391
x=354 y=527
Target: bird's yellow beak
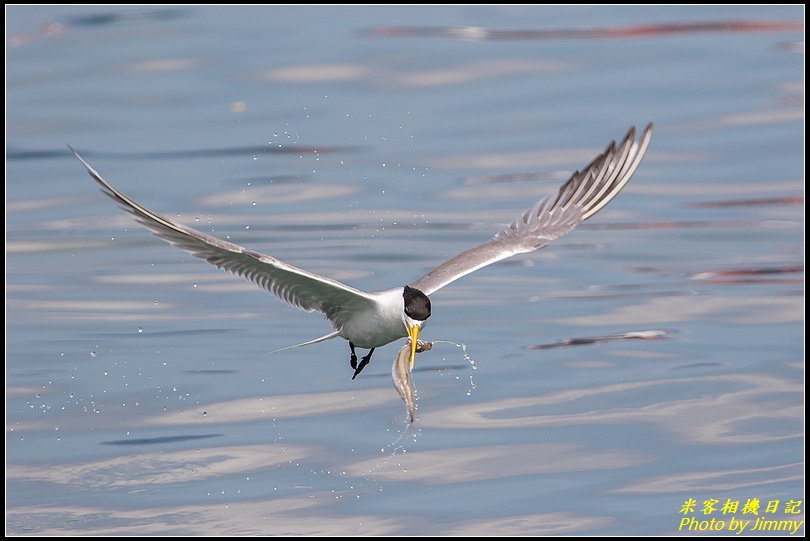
x=413 y=334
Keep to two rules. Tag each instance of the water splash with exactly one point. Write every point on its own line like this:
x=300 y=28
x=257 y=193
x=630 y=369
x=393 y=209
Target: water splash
x=393 y=451
x=467 y=357
x=407 y=437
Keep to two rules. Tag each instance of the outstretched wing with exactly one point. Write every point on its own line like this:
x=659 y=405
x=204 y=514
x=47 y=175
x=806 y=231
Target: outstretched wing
x=553 y=216
x=294 y=286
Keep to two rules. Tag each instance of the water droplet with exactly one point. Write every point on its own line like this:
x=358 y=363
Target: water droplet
x=255 y=157
x=140 y=330
x=92 y=353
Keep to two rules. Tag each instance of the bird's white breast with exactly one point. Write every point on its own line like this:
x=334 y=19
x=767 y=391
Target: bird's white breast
x=380 y=326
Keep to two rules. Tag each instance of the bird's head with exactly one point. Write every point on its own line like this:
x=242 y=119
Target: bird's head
x=417 y=310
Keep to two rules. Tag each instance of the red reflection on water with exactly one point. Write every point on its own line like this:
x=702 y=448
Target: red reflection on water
x=750 y=275
x=789 y=200
x=759 y=275
x=637 y=31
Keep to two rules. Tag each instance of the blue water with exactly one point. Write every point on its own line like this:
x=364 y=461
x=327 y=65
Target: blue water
x=140 y=396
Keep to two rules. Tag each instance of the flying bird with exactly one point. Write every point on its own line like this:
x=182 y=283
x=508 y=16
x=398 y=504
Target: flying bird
x=370 y=320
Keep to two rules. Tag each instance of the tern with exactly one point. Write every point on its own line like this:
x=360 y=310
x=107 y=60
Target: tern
x=371 y=320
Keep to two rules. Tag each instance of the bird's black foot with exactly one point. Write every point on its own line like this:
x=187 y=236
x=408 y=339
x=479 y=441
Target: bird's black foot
x=363 y=362
x=353 y=360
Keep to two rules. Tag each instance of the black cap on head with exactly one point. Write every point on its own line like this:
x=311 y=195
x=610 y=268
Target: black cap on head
x=417 y=304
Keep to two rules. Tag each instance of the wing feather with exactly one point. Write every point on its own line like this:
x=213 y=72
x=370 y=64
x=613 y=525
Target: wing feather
x=296 y=287
x=584 y=194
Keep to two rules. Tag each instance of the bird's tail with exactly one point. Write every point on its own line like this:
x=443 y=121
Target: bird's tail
x=321 y=339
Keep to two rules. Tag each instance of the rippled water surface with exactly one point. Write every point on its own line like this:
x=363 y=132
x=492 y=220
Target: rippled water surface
x=651 y=357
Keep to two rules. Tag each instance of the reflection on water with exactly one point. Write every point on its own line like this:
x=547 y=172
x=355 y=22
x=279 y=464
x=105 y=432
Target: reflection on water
x=161 y=467
x=382 y=76
x=140 y=399
x=726 y=480
x=275 y=407
x=748 y=411
x=466 y=465
x=298 y=515
x=159 y=440
x=626 y=32
x=588 y=340
x=673 y=309
x=207 y=153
